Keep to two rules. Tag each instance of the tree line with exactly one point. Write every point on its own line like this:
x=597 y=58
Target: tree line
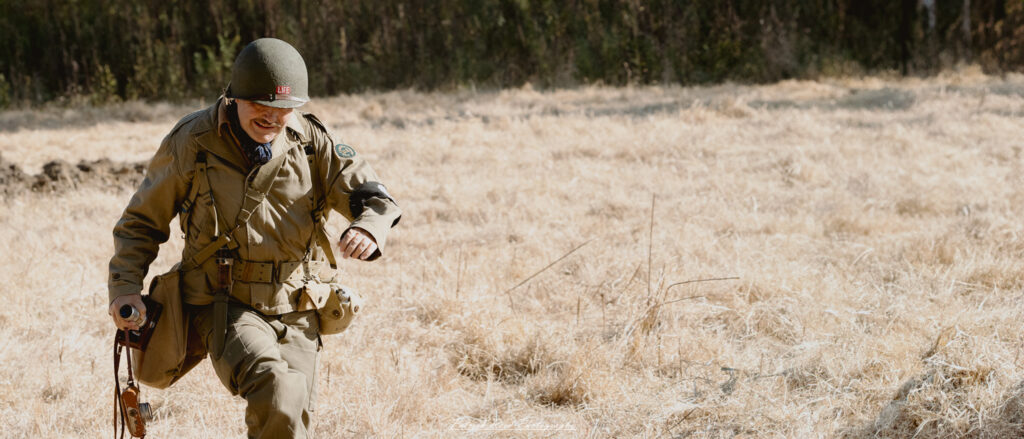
x=173 y=49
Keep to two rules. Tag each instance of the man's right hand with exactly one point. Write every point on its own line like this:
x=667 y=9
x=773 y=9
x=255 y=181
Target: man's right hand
x=135 y=300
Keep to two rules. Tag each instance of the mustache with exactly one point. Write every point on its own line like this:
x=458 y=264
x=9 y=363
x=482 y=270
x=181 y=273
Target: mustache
x=268 y=123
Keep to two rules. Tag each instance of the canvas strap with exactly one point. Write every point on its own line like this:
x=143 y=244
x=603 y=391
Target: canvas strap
x=256 y=191
x=259 y=184
x=319 y=206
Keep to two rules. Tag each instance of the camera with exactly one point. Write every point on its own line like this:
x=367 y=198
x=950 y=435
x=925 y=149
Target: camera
x=129 y=313
x=136 y=414
x=139 y=339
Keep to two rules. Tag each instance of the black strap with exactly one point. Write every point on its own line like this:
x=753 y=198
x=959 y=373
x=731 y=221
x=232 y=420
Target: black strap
x=363 y=193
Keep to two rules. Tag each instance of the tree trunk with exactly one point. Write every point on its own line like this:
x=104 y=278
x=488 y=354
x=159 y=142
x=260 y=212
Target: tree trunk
x=966 y=27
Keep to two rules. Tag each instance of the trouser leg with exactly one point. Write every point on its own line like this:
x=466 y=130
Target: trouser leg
x=271 y=362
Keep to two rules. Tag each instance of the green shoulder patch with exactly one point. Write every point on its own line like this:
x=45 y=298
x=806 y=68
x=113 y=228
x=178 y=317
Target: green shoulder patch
x=344 y=151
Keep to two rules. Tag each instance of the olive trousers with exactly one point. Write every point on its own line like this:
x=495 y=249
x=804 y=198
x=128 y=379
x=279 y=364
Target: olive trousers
x=271 y=361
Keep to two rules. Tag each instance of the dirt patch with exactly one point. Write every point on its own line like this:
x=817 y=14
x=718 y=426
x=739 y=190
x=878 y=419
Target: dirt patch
x=59 y=176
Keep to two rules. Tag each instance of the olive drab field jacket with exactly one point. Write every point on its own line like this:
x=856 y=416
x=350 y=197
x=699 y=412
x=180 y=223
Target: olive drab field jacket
x=269 y=249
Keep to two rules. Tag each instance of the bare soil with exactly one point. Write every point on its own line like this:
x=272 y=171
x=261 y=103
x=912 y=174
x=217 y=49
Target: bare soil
x=61 y=176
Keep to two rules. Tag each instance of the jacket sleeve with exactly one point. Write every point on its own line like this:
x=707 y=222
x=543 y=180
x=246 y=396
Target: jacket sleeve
x=145 y=223
x=352 y=187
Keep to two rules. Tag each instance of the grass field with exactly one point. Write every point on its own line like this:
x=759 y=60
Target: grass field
x=873 y=227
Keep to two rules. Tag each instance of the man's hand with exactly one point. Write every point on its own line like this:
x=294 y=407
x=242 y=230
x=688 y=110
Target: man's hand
x=134 y=300
x=357 y=243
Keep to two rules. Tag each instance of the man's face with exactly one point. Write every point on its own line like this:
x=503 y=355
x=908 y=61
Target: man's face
x=261 y=122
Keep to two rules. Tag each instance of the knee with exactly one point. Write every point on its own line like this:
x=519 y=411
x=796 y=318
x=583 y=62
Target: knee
x=279 y=395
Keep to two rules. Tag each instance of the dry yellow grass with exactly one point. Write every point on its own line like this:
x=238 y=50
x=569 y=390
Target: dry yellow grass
x=874 y=225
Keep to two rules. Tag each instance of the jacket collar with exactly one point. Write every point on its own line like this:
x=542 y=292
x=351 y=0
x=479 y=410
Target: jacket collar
x=217 y=139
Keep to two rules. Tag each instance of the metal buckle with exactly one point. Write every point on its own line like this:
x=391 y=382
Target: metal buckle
x=224 y=257
x=186 y=206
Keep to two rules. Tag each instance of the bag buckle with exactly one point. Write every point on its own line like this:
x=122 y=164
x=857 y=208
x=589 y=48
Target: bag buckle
x=224 y=257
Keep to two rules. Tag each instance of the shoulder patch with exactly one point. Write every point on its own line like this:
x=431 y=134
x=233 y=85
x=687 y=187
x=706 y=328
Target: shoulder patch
x=344 y=151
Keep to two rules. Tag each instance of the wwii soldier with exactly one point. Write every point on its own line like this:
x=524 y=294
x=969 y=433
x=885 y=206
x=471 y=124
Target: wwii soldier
x=249 y=300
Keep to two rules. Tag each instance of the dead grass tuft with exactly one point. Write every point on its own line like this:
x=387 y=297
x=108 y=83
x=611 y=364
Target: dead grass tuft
x=916 y=206
x=997 y=275
x=571 y=383
x=935 y=251
x=436 y=311
x=937 y=404
x=806 y=377
x=852 y=225
x=507 y=351
x=775 y=320
x=54 y=392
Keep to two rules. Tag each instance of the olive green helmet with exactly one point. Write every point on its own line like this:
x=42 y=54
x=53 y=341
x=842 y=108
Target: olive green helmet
x=270 y=72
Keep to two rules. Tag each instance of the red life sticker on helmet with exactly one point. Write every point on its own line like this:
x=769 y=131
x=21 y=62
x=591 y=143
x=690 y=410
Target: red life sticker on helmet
x=283 y=90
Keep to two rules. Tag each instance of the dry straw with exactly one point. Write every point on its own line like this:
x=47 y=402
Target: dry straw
x=874 y=226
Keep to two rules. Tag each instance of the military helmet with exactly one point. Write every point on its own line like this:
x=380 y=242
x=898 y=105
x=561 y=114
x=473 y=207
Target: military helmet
x=270 y=72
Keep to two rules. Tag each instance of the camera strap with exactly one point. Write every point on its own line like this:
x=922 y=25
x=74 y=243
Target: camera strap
x=120 y=411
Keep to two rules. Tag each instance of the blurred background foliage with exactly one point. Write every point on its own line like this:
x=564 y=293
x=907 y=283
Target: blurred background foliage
x=105 y=50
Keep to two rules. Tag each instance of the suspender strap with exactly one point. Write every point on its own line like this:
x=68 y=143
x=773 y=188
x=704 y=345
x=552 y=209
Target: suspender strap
x=256 y=191
x=319 y=205
x=197 y=187
x=325 y=244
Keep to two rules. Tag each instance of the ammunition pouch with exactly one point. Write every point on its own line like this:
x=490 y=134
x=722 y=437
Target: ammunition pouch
x=336 y=305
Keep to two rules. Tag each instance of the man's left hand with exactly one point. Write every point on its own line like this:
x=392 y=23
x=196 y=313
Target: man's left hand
x=357 y=243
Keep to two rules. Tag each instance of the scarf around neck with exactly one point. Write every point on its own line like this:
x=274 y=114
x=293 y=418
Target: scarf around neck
x=257 y=153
